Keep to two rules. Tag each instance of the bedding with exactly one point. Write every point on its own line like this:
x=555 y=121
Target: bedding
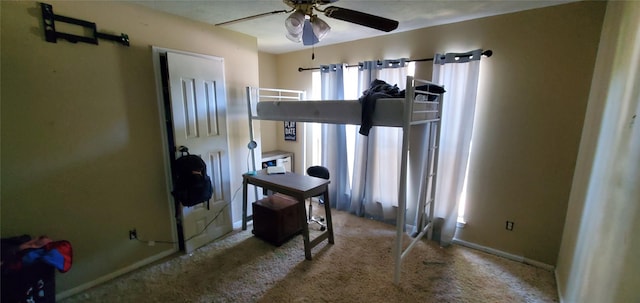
x=388 y=112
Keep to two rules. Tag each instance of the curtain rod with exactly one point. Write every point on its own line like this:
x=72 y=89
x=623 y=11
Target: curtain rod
x=486 y=53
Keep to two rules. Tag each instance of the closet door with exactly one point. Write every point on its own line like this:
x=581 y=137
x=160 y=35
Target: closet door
x=198 y=108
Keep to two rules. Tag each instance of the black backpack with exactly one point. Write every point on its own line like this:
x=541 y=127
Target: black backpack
x=191 y=184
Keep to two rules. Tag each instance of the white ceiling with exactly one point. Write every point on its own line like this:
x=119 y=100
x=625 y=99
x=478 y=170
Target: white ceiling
x=270 y=31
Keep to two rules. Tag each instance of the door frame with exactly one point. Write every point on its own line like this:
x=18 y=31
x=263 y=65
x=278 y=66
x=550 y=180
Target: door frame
x=166 y=127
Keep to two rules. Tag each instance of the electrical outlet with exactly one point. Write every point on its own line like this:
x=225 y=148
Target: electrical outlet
x=509 y=225
x=133 y=234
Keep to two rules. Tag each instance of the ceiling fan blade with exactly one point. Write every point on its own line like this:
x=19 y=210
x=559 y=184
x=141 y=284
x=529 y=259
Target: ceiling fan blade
x=253 y=17
x=368 y=20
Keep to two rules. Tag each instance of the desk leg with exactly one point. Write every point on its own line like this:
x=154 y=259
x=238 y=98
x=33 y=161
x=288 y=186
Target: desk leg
x=327 y=215
x=305 y=228
x=244 y=204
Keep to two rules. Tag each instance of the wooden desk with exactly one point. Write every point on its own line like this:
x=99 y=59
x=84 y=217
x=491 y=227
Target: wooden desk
x=299 y=187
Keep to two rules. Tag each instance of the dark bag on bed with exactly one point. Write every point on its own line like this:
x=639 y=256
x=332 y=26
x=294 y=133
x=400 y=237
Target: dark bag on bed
x=191 y=184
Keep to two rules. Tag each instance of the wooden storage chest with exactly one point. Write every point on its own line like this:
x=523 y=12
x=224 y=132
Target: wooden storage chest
x=276 y=218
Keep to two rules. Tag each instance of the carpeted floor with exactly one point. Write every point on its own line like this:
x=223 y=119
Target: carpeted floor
x=357 y=268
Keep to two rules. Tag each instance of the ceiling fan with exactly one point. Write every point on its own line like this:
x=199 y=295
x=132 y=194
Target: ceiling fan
x=304 y=25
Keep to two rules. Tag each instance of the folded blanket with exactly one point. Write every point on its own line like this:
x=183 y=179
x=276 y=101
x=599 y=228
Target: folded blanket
x=57 y=254
x=436 y=89
x=381 y=89
x=378 y=89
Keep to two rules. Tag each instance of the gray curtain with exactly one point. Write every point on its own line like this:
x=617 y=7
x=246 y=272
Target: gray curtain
x=377 y=160
x=459 y=74
x=333 y=141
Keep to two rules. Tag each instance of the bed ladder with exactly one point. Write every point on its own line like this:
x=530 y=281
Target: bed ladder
x=427 y=192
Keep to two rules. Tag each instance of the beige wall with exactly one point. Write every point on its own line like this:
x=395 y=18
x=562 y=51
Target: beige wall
x=81 y=138
x=77 y=117
x=268 y=79
x=598 y=259
x=272 y=132
x=531 y=104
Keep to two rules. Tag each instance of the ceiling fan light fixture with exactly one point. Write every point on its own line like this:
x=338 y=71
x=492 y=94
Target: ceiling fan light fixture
x=294 y=37
x=294 y=22
x=320 y=28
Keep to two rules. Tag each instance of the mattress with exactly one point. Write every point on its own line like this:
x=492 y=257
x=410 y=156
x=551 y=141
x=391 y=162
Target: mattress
x=388 y=111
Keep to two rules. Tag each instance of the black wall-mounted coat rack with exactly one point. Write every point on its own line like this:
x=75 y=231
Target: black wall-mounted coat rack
x=50 y=34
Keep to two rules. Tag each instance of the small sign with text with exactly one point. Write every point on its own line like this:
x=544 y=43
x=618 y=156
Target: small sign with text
x=289 y=131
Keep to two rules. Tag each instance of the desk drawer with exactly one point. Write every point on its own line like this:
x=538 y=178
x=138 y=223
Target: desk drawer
x=276 y=219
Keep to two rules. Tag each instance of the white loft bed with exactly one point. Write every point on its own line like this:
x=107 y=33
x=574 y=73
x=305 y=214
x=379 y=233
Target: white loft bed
x=411 y=113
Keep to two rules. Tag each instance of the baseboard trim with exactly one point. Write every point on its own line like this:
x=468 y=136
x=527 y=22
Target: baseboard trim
x=539 y=264
x=555 y=275
x=505 y=254
x=115 y=274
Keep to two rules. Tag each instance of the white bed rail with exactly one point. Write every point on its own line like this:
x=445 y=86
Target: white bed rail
x=257 y=94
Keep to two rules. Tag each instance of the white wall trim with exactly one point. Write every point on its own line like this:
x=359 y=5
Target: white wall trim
x=505 y=254
x=115 y=274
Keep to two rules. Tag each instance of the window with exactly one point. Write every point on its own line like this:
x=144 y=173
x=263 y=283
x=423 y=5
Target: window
x=314 y=152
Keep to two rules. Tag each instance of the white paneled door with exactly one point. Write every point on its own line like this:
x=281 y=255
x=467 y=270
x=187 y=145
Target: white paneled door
x=198 y=107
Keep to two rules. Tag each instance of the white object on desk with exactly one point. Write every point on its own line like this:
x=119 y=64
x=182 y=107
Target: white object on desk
x=278 y=158
x=275 y=170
